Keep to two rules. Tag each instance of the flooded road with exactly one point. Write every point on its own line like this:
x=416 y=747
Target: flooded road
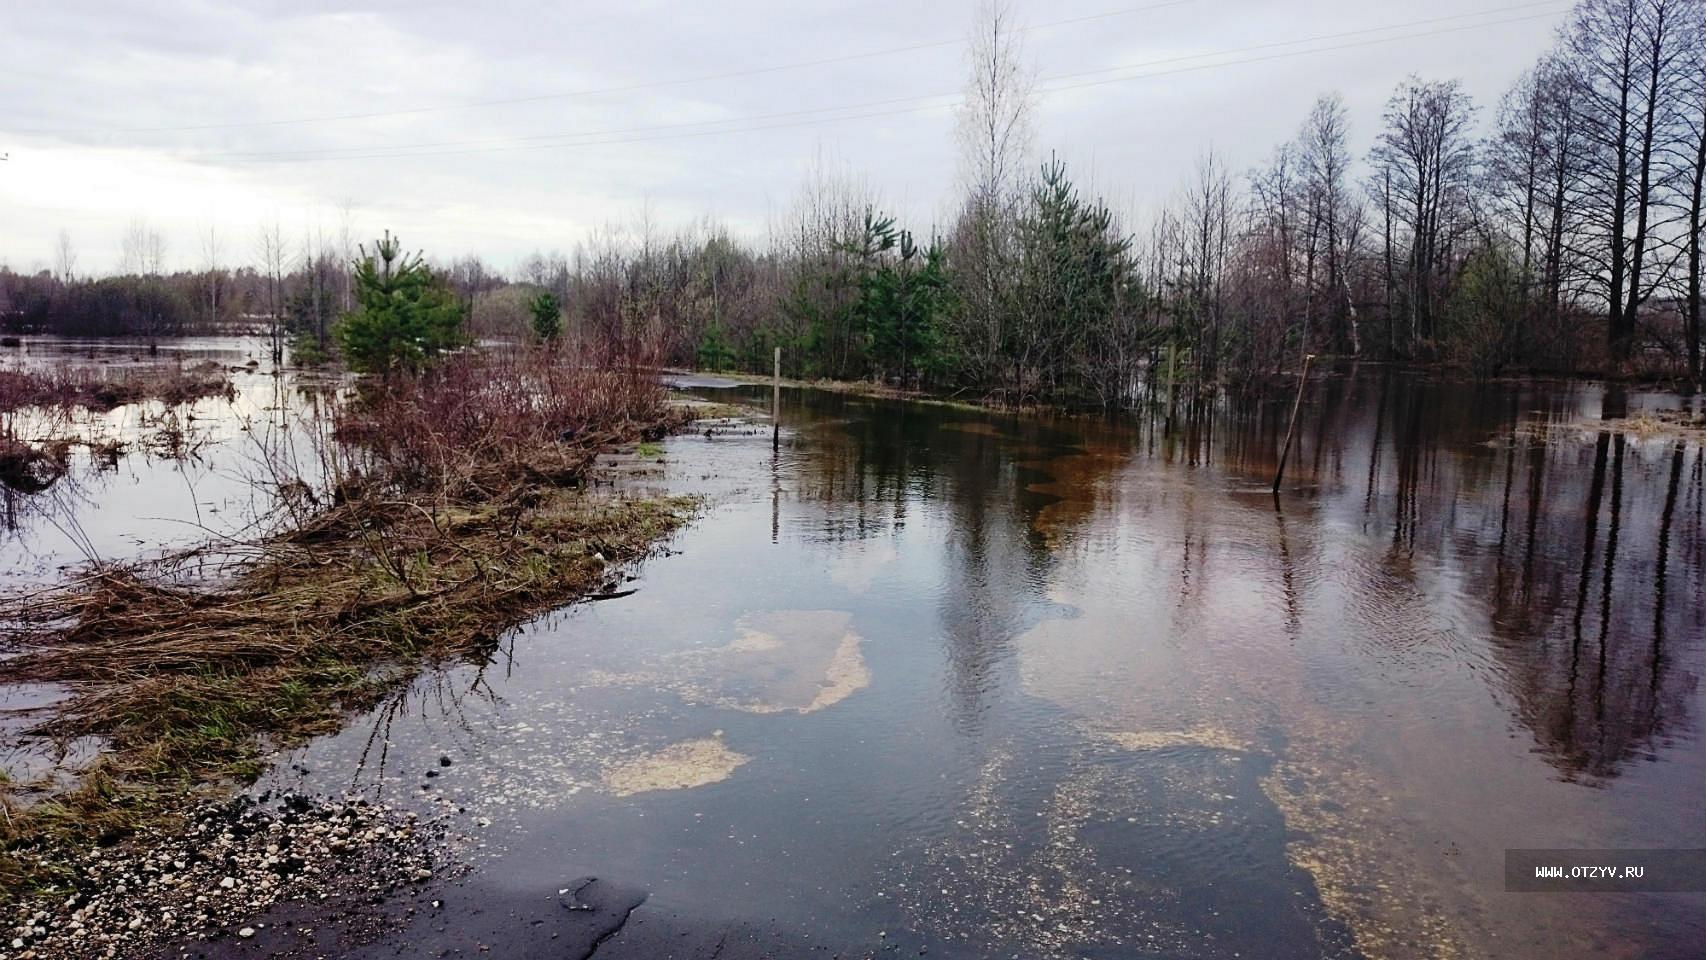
x=932 y=680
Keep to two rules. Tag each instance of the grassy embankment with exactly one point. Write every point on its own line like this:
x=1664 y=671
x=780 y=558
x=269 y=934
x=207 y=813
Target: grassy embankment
x=454 y=511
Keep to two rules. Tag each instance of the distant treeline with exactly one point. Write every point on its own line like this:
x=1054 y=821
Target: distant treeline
x=107 y=307
x=1566 y=239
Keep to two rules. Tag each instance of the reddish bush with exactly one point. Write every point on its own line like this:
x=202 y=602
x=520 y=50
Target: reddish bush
x=480 y=422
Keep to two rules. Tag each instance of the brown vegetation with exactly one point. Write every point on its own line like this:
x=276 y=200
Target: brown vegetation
x=479 y=424
x=35 y=451
x=28 y=468
x=98 y=389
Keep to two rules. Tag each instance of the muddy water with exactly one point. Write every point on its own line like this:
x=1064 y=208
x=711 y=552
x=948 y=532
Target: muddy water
x=927 y=679
x=931 y=679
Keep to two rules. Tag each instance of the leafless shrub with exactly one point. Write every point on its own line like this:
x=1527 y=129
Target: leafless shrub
x=480 y=423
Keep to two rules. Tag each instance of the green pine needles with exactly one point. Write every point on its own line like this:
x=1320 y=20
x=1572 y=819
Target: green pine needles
x=405 y=315
x=547 y=317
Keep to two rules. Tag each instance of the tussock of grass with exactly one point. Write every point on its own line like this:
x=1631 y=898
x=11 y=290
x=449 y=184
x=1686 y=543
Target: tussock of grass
x=32 y=468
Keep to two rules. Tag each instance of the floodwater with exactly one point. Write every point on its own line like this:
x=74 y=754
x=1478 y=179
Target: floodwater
x=930 y=679
x=923 y=679
x=190 y=474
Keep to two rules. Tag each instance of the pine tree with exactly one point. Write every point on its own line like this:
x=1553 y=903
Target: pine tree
x=405 y=313
x=547 y=317
x=903 y=300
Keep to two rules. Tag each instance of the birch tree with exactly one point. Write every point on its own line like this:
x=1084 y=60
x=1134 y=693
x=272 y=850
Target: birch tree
x=994 y=127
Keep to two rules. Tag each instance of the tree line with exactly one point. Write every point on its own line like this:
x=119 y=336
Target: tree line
x=1560 y=233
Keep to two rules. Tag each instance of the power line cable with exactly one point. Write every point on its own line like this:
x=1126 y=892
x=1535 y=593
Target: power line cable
x=1331 y=36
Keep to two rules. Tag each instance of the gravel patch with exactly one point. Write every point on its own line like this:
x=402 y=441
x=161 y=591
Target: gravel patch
x=212 y=878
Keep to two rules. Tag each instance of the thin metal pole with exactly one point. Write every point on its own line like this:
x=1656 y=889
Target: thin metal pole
x=776 y=405
x=1291 y=428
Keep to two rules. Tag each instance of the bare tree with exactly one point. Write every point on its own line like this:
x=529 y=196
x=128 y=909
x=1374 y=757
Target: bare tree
x=142 y=250
x=274 y=253
x=1380 y=187
x=994 y=126
x=1564 y=152
x=130 y=247
x=1625 y=54
x=1270 y=267
x=64 y=258
x=1208 y=217
x=1323 y=148
x=1691 y=181
x=212 y=250
x=1516 y=162
x=346 y=254
x=1427 y=155
x=1534 y=166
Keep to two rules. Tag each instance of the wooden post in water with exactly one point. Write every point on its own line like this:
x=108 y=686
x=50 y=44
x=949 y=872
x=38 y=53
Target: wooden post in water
x=776 y=405
x=1172 y=360
x=1291 y=428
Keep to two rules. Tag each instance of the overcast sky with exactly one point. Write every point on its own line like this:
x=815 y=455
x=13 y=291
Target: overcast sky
x=529 y=125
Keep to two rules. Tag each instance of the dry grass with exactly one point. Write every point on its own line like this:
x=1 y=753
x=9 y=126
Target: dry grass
x=99 y=389
x=173 y=677
x=1678 y=425
x=453 y=515
x=478 y=424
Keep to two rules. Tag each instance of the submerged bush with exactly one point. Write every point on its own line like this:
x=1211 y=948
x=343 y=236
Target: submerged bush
x=480 y=422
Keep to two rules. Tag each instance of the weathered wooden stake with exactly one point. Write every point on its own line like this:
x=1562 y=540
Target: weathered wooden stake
x=776 y=405
x=1291 y=428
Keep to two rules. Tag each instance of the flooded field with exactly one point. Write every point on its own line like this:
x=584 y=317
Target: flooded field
x=927 y=680
x=173 y=476
x=189 y=472
x=994 y=686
